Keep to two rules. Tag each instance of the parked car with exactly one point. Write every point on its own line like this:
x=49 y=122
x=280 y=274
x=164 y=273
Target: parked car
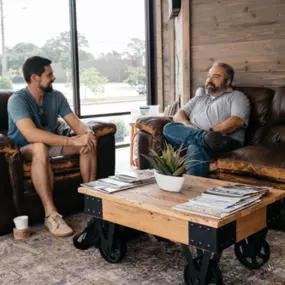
x=141 y=89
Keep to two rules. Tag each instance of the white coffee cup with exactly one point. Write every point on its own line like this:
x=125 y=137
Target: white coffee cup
x=21 y=222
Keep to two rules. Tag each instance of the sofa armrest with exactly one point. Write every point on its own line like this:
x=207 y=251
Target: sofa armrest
x=153 y=125
x=102 y=128
x=7 y=145
x=149 y=136
x=15 y=169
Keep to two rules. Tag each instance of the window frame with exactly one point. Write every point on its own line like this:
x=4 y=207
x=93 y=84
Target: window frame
x=150 y=59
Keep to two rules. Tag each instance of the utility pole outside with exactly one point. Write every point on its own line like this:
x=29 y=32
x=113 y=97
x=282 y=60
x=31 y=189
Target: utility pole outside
x=4 y=57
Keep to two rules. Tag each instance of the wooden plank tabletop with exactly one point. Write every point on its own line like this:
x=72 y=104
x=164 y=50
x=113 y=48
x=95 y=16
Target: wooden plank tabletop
x=151 y=198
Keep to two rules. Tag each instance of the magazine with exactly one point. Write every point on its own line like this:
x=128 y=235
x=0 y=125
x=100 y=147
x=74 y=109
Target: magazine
x=238 y=190
x=135 y=176
x=94 y=185
x=208 y=211
x=122 y=181
x=219 y=202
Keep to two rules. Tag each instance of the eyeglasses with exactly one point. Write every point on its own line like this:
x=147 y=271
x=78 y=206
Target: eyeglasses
x=43 y=118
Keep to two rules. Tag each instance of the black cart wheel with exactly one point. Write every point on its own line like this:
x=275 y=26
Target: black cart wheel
x=214 y=275
x=116 y=252
x=251 y=255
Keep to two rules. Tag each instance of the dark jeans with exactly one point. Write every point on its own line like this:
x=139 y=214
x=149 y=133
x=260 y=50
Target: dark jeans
x=178 y=134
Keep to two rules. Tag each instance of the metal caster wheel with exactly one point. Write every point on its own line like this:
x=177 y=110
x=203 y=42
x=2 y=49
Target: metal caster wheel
x=113 y=249
x=251 y=255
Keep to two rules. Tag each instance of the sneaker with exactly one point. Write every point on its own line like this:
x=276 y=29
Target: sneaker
x=215 y=141
x=57 y=226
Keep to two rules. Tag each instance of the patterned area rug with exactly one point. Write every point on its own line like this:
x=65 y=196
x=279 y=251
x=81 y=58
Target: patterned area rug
x=43 y=260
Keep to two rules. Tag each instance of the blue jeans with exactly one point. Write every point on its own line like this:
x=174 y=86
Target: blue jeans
x=178 y=134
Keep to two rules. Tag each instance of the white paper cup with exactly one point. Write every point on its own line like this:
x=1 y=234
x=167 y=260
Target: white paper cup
x=21 y=222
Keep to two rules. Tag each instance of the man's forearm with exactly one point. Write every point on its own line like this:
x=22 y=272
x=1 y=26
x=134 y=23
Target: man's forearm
x=230 y=125
x=38 y=135
x=181 y=117
x=81 y=128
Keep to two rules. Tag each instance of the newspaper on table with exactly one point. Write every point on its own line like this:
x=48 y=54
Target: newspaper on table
x=122 y=181
x=220 y=202
x=135 y=176
x=238 y=190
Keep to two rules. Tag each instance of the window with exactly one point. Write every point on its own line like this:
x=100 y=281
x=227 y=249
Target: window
x=111 y=52
x=35 y=27
x=111 y=47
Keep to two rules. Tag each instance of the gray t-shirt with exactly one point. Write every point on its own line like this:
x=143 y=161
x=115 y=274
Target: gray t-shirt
x=205 y=111
x=23 y=105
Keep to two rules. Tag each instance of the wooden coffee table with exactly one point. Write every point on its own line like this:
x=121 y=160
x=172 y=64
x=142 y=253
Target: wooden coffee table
x=149 y=209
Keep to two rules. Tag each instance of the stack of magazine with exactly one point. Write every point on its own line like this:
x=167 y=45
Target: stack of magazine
x=122 y=181
x=220 y=202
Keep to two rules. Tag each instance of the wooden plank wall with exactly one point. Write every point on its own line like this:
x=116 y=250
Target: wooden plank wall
x=168 y=55
x=248 y=34
x=173 y=54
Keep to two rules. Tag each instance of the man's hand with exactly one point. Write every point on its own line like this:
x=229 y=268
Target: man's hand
x=87 y=141
x=92 y=143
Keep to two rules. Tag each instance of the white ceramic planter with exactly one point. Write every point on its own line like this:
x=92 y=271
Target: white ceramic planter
x=169 y=183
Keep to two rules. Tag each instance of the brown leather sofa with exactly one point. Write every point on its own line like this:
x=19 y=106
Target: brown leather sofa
x=17 y=194
x=262 y=159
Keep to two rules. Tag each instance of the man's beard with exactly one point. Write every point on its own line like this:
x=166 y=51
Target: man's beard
x=48 y=88
x=211 y=88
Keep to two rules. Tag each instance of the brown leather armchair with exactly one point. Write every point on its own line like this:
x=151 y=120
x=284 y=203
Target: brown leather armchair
x=262 y=159
x=17 y=194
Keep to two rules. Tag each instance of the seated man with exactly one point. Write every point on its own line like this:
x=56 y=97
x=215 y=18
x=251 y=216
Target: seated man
x=214 y=120
x=33 y=113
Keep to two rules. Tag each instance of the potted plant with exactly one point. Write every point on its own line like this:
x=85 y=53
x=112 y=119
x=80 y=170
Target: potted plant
x=169 y=167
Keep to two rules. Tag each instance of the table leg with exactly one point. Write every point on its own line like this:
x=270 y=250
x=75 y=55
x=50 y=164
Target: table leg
x=203 y=269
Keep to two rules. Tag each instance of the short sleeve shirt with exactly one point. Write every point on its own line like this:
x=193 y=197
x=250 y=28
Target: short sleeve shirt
x=206 y=111
x=23 y=105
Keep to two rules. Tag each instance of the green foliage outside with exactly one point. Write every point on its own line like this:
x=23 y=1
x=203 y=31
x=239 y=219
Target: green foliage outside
x=92 y=79
x=122 y=129
x=5 y=83
x=137 y=76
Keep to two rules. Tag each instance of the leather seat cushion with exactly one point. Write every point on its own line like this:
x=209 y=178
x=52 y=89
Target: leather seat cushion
x=60 y=165
x=263 y=161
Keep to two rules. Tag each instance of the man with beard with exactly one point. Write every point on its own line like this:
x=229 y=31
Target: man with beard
x=33 y=113
x=214 y=120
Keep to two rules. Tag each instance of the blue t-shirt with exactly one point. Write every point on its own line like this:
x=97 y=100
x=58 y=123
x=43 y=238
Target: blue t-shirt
x=23 y=105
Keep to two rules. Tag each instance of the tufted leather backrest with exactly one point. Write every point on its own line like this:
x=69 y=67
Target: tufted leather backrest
x=4 y=96
x=260 y=101
x=275 y=131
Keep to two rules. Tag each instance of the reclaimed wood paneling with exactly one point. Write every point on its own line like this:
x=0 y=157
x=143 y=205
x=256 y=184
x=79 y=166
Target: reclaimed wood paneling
x=248 y=34
x=168 y=54
x=186 y=52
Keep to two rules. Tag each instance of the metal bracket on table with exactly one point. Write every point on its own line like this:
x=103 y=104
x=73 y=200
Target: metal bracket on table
x=93 y=206
x=212 y=239
x=274 y=213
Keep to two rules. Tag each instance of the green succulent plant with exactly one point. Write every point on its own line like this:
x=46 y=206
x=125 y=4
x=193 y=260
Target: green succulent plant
x=171 y=161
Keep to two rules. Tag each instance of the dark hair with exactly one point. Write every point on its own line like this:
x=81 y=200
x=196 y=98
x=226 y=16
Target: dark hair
x=229 y=70
x=34 y=65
